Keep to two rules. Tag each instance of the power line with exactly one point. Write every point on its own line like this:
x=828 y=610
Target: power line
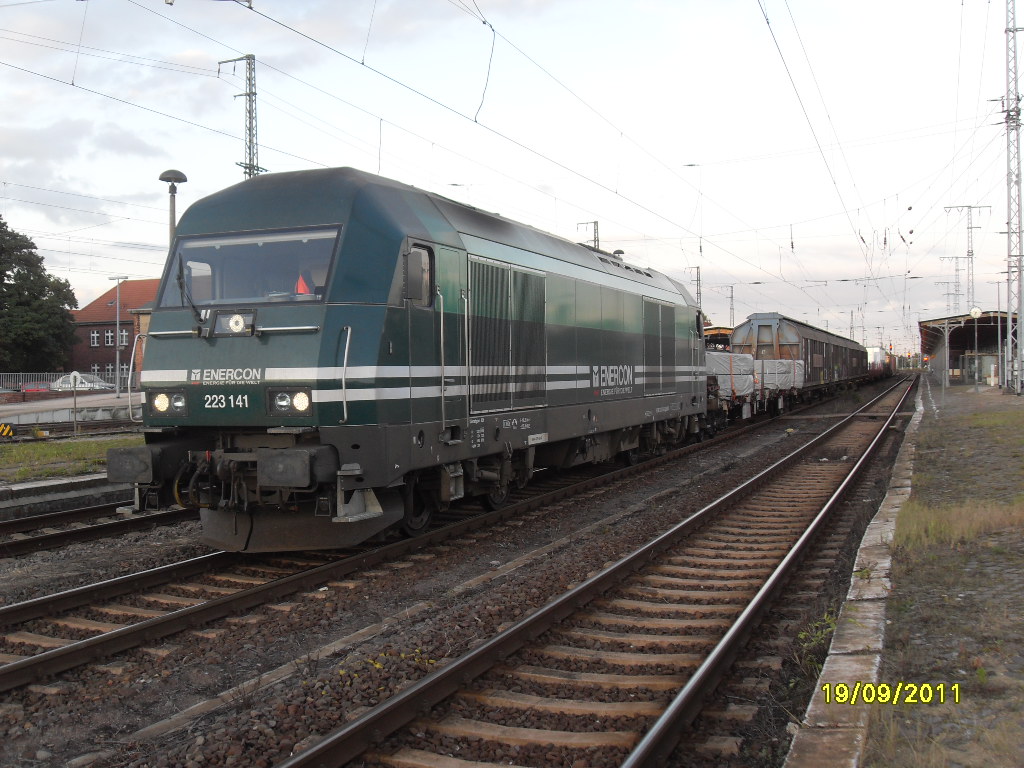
x=66 y=47
x=77 y=210
x=167 y=115
x=78 y=194
x=515 y=142
x=821 y=96
x=479 y=16
x=810 y=124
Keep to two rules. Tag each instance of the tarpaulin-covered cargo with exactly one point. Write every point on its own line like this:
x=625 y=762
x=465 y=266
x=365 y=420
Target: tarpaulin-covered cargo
x=735 y=373
x=779 y=375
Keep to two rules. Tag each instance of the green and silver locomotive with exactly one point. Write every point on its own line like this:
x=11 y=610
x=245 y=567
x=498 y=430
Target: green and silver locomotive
x=333 y=355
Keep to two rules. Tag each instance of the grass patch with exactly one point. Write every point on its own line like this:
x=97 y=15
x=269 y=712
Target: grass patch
x=21 y=462
x=1006 y=422
x=892 y=746
x=920 y=526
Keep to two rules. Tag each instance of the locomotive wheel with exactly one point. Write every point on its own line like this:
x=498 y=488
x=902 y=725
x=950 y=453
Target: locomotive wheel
x=417 y=512
x=630 y=457
x=497 y=498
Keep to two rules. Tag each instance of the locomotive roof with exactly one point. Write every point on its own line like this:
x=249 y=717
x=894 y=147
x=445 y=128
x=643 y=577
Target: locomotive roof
x=333 y=195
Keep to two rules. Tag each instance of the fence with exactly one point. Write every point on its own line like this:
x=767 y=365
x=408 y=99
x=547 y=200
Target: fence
x=38 y=382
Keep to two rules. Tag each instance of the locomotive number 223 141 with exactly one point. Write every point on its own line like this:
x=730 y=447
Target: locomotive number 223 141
x=226 y=401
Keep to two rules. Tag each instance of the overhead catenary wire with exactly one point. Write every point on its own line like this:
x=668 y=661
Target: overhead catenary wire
x=810 y=123
x=771 y=231
x=563 y=166
x=419 y=93
x=158 y=112
x=476 y=15
x=821 y=97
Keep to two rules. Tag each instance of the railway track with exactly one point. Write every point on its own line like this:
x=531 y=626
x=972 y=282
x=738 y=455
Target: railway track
x=45 y=431
x=33 y=533
x=38 y=637
x=52 y=634
x=51 y=530
x=59 y=430
x=22 y=535
x=613 y=670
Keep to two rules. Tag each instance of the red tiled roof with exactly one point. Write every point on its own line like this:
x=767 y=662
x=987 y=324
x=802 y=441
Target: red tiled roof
x=134 y=294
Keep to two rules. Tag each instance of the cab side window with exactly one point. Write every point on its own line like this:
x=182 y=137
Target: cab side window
x=418 y=275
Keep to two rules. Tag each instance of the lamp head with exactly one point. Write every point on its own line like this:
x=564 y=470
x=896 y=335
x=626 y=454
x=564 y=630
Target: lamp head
x=173 y=176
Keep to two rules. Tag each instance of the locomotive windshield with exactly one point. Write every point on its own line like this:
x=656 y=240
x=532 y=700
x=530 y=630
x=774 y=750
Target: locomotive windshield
x=250 y=268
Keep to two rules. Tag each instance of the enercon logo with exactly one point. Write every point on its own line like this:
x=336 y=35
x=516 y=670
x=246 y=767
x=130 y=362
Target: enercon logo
x=611 y=376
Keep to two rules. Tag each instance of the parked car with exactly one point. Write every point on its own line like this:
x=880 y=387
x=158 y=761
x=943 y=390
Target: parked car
x=85 y=381
x=35 y=386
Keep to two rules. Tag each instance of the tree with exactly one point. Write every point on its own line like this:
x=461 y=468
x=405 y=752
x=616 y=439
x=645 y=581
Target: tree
x=36 y=325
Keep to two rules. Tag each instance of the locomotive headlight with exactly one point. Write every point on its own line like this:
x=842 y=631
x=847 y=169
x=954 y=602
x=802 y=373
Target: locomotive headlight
x=168 y=403
x=289 y=402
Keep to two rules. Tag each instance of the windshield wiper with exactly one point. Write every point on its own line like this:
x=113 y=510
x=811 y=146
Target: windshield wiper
x=186 y=296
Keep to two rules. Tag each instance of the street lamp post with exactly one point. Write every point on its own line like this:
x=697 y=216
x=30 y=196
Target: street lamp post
x=1000 y=367
x=174 y=178
x=975 y=314
x=945 y=335
x=117 y=334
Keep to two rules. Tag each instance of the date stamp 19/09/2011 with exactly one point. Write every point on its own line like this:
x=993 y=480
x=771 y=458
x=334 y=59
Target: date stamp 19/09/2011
x=891 y=693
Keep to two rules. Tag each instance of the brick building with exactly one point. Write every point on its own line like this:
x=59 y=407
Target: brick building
x=96 y=326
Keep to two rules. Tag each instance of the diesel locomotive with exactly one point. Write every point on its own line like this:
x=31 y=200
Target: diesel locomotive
x=333 y=354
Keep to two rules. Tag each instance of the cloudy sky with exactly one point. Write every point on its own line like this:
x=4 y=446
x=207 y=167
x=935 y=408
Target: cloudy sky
x=809 y=157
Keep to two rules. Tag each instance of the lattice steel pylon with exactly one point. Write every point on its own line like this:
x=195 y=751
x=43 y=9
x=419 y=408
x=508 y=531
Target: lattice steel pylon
x=250 y=166
x=955 y=293
x=970 y=252
x=1014 y=362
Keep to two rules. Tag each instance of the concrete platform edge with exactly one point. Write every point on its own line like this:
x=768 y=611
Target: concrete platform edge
x=22 y=499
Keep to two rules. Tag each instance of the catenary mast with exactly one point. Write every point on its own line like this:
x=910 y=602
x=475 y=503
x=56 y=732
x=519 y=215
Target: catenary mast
x=1014 y=358
x=250 y=166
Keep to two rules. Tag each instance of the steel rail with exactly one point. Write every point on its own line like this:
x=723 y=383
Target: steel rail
x=64 y=430
x=51 y=662
x=13 y=547
x=47 y=519
x=662 y=737
x=27 y=670
x=58 y=660
x=354 y=738
x=48 y=605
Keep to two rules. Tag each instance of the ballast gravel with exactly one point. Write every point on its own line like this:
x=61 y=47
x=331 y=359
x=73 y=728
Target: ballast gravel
x=423 y=618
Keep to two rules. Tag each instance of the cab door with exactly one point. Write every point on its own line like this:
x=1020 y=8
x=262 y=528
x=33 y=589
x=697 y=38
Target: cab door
x=437 y=338
x=452 y=291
